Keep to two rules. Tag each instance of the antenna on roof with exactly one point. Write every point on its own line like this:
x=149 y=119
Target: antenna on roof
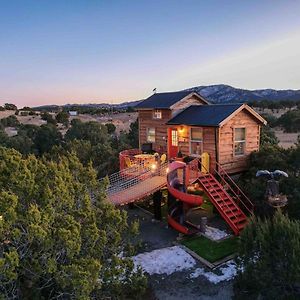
x=154 y=91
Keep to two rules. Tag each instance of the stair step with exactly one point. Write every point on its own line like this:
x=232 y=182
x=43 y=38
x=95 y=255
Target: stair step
x=216 y=191
x=223 y=200
x=239 y=220
x=229 y=206
x=242 y=225
x=234 y=215
x=230 y=210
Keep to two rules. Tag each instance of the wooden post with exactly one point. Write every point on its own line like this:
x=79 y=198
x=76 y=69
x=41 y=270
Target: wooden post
x=157 y=205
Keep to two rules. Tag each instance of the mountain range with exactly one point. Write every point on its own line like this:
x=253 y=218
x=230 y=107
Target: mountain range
x=221 y=93
x=217 y=93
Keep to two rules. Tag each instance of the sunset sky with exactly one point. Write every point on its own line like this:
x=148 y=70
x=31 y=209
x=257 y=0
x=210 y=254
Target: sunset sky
x=56 y=52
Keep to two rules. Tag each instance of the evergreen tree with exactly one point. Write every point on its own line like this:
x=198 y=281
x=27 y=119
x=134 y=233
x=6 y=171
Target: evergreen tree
x=46 y=137
x=268 y=259
x=63 y=118
x=59 y=237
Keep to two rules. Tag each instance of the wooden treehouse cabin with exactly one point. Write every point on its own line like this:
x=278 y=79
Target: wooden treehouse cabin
x=185 y=123
x=187 y=143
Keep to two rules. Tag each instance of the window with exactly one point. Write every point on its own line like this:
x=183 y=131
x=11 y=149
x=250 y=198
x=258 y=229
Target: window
x=174 y=137
x=151 y=135
x=196 y=141
x=239 y=141
x=157 y=114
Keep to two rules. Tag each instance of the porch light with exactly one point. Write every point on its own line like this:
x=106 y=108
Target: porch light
x=181 y=128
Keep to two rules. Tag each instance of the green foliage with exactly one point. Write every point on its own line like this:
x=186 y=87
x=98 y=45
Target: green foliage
x=290 y=121
x=10 y=121
x=10 y=106
x=47 y=137
x=268 y=137
x=111 y=128
x=271 y=119
x=47 y=117
x=133 y=135
x=90 y=141
x=63 y=118
x=59 y=238
x=268 y=261
x=272 y=158
x=89 y=131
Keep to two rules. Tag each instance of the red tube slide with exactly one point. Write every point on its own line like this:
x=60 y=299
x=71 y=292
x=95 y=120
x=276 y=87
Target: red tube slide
x=172 y=181
x=182 y=196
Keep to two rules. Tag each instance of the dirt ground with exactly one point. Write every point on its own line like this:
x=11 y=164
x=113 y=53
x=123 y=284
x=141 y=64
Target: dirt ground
x=286 y=140
x=179 y=285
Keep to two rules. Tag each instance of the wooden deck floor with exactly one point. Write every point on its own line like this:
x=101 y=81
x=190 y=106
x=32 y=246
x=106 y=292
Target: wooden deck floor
x=138 y=191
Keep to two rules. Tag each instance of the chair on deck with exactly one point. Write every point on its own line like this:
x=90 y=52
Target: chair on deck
x=163 y=158
x=128 y=162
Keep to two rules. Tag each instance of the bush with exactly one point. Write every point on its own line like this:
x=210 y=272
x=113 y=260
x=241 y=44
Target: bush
x=269 y=260
x=47 y=117
x=63 y=118
x=10 y=106
x=290 y=121
x=10 y=121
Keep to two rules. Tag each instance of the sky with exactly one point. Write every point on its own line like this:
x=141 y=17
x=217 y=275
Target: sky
x=59 y=51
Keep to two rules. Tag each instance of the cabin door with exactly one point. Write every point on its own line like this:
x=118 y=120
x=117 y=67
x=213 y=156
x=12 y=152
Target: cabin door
x=172 y=142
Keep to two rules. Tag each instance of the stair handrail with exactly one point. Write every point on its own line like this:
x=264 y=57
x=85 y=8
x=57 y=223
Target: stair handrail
x=228 y=178
x=234 y=214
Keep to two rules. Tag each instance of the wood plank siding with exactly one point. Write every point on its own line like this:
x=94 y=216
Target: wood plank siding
x=229 y=161
x=209 y=144
x=146 y=121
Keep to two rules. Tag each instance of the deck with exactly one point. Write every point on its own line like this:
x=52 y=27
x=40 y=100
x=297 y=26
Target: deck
x=138 y=191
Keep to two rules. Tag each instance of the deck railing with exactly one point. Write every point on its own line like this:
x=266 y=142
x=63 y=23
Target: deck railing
x=126 y=155
x=193 y=171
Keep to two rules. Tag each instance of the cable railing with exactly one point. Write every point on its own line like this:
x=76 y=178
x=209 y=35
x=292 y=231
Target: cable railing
x=132 y=182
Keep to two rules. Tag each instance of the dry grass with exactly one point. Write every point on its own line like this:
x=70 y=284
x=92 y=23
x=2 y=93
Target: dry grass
x=122 y=121
x=286 y=140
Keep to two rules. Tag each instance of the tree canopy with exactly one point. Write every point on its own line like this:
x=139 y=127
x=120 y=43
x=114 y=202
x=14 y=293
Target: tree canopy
x=60 y=239
x=269 y=259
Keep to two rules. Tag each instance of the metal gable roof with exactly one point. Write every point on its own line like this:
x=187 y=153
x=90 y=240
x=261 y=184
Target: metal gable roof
x=204 y=115
x=163 y=100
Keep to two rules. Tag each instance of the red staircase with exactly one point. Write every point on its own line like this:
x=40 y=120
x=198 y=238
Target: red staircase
x=225 y=203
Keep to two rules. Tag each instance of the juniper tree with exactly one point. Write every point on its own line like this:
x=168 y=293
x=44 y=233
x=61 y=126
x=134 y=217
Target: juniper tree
x=269 y=259
x=59 y=237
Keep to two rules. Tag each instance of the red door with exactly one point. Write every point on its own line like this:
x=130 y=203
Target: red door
x=172 y=142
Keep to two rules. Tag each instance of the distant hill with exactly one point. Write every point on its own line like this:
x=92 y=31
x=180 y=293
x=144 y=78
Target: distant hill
x=123 y=105
x=217 y=93
x=221 y=93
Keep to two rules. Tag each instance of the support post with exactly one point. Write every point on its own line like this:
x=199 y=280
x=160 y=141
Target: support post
x=157 y=205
